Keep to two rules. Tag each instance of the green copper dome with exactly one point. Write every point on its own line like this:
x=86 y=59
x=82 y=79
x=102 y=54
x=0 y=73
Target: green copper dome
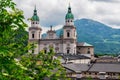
x=35 y=17
x=69 y=15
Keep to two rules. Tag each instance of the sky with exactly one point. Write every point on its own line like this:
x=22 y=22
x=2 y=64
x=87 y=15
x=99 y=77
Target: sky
x=52 y=12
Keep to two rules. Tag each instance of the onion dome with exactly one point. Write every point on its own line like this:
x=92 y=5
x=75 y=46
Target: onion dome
x=69 y=14
x=35 y=16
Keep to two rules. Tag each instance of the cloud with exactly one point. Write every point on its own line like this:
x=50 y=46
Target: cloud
x=106 y=1
x=53 y=12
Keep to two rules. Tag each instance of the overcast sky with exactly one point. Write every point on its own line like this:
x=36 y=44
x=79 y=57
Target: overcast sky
x=52 y=12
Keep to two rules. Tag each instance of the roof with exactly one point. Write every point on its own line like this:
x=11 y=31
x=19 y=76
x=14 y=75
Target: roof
x=95 y=67
x=83 y=44
x=35 y=16
x=105 y=67
x=69 y=15
x=72 y=57
x=77 y=67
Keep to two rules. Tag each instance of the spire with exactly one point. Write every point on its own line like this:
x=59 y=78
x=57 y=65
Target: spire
x=69 y=8
x=35 y=17
x=69 y=14
x=35 y=11
x=51 y=27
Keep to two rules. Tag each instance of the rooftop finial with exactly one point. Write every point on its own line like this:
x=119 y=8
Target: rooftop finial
x=35 y=7
x=51 y=27
x=69 y=4
x=69 y=8
x=35 y=11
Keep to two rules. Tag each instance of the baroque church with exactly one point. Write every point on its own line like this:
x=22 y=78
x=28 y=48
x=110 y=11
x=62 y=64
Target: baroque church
x=66 y=43
x=76 y=57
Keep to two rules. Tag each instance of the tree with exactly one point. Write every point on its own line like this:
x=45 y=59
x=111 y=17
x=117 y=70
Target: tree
x=15 y=61
x=11 y=21
x=44 y=65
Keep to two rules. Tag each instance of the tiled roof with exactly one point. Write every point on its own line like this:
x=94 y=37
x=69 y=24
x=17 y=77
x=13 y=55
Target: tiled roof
x=96 y=67
x=77 y=67
x=105 y=67
x=72 y=57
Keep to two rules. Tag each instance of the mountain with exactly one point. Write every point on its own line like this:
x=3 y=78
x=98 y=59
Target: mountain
x=104 y=38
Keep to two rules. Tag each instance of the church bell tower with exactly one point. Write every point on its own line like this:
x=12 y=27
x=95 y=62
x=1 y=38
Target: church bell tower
x=69 y=33
x=35 y=31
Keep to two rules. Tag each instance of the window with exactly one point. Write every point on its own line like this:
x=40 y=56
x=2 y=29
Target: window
x=32 y=35
x=33 y=22
x=45 y=51
x=113 y=74
x=84 y=72
x=89 y=73
x=68 y=20
x=68 y=34
x=88 y=52
x=68 y=51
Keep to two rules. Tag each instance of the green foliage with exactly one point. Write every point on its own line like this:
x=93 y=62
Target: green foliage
x=15 y=61
x=11 y=24
x=43 y=65
x=89 y=78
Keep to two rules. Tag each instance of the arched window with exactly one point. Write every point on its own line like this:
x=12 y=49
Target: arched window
x=88 y=52
x=68 y=34
x=68 y=20
x=33 y=35
x=68 y=51
x=45 y=51
x=33 y=22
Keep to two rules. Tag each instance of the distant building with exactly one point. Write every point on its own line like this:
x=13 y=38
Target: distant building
x=65 y=43
x=96 y=71
x=107 y=59
x=80 y=59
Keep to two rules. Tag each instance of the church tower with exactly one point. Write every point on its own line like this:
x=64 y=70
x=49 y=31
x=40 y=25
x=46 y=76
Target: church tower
x=69 y=33
x=35 y=31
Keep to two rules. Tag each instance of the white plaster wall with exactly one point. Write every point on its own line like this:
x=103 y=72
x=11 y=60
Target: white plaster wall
x=65 y=33
x=61 y=48
x=72 y=48
x=81 y=61
x=69 y=23
x=53 y=36
x=36 y=34
x=42 y=46
x=36 y=24
x=64 y=48
x=72 y=33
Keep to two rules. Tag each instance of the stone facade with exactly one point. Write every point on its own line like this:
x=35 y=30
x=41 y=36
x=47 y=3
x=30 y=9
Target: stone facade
x=65 y=43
